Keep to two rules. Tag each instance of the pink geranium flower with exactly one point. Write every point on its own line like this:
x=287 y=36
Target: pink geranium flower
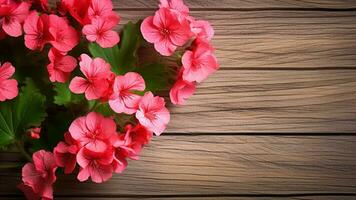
x=166 y=31
x=200 y=62
x=100 y=8
x=98 y=166
x=96 y=72
x=133 y=140
x=8 y=87
x=202 y=29
x=35 y=133
x=36 y=31
x=12 y=15
x=152 y=113
x=65 y=153
x=94 y=132
x=176 y=6
x=100 y=31
x=64 y=37
x=181 y=90
x=77 y=9
x=39 y=176
x=61 y=65
x=123 y=99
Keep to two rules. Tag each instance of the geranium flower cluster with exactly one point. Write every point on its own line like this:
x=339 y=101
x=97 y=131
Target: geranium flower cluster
x=172 y=27
x=42 y=25
x=96 y=145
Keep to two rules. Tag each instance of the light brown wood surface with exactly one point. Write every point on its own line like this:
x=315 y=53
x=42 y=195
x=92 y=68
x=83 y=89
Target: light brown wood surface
x=243 y=4
x=278 y=121
x=226 y=165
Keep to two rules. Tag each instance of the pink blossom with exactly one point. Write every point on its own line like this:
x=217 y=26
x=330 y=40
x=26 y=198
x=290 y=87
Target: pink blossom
x=94 y=132
x=78 y=9
x=61 y=66
x=177 y=6
x=36 y=31
x=133 y=140
x=65 y=153
x=100 y=31
x=123 y=99
x=64 y=37
x=200 y=62
x=100 y=8
x=12 y=15
x=98 y=166
x=202 y=29
x=181 y=90
x=152 y=113
x=96 y=72
x=35 y=132
x=8 y=87
x=39 y=176
x=166 y=31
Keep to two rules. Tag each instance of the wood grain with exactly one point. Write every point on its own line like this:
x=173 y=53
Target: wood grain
x=294 y=101
x=278 y=39
x=225 y=165
x=242 y=4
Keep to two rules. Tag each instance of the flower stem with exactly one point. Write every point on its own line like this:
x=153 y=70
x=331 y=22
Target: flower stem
x=22 y=150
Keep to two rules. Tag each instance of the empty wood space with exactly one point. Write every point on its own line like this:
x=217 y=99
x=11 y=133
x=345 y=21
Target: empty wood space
x=277 y=121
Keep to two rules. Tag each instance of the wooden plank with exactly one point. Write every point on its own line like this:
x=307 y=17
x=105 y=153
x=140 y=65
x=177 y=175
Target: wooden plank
x=279 y=39
x=286 y=101
x=242 y=4
x=338 y=197
x=225 y=165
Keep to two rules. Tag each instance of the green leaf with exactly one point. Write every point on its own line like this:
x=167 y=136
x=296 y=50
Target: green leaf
x=108 y=54
x=122 y=57
x=64 y=96
x=27 y=110
x=155 y=77
x=105 y=110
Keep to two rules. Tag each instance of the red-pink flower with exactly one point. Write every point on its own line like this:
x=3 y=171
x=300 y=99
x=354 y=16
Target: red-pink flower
x=200 y=62
x=64 y=37
x=181 y=90
x=166 y=31
x=12 y=15
x=123 y=99
x=36 y=30
x=61 y=66
x=39 y=176
x=202 y=29
x=100 y=31
x=8 y=87
x=94 y=132
x=152 y=113
x=97 y=72
x=132 y=141
x=77 y=9
x=98 y=166
x=177 y=6
x=65 y=153
x=100 y=8
x=35 y=133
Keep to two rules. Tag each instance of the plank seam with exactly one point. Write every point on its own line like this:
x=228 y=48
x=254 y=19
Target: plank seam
x=201 y=195
x=286 y=134
x=250 y=9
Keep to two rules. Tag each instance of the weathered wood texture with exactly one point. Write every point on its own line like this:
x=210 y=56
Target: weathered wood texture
x=226 y=165
x=271 y=101
x=286 y=67
x=242 y=4
x=279 y=39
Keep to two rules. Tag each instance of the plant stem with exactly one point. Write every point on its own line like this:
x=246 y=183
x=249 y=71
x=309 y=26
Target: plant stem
x=22 y=150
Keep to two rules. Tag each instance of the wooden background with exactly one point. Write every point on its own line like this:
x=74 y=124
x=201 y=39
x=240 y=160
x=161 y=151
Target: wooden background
x=277 y=121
